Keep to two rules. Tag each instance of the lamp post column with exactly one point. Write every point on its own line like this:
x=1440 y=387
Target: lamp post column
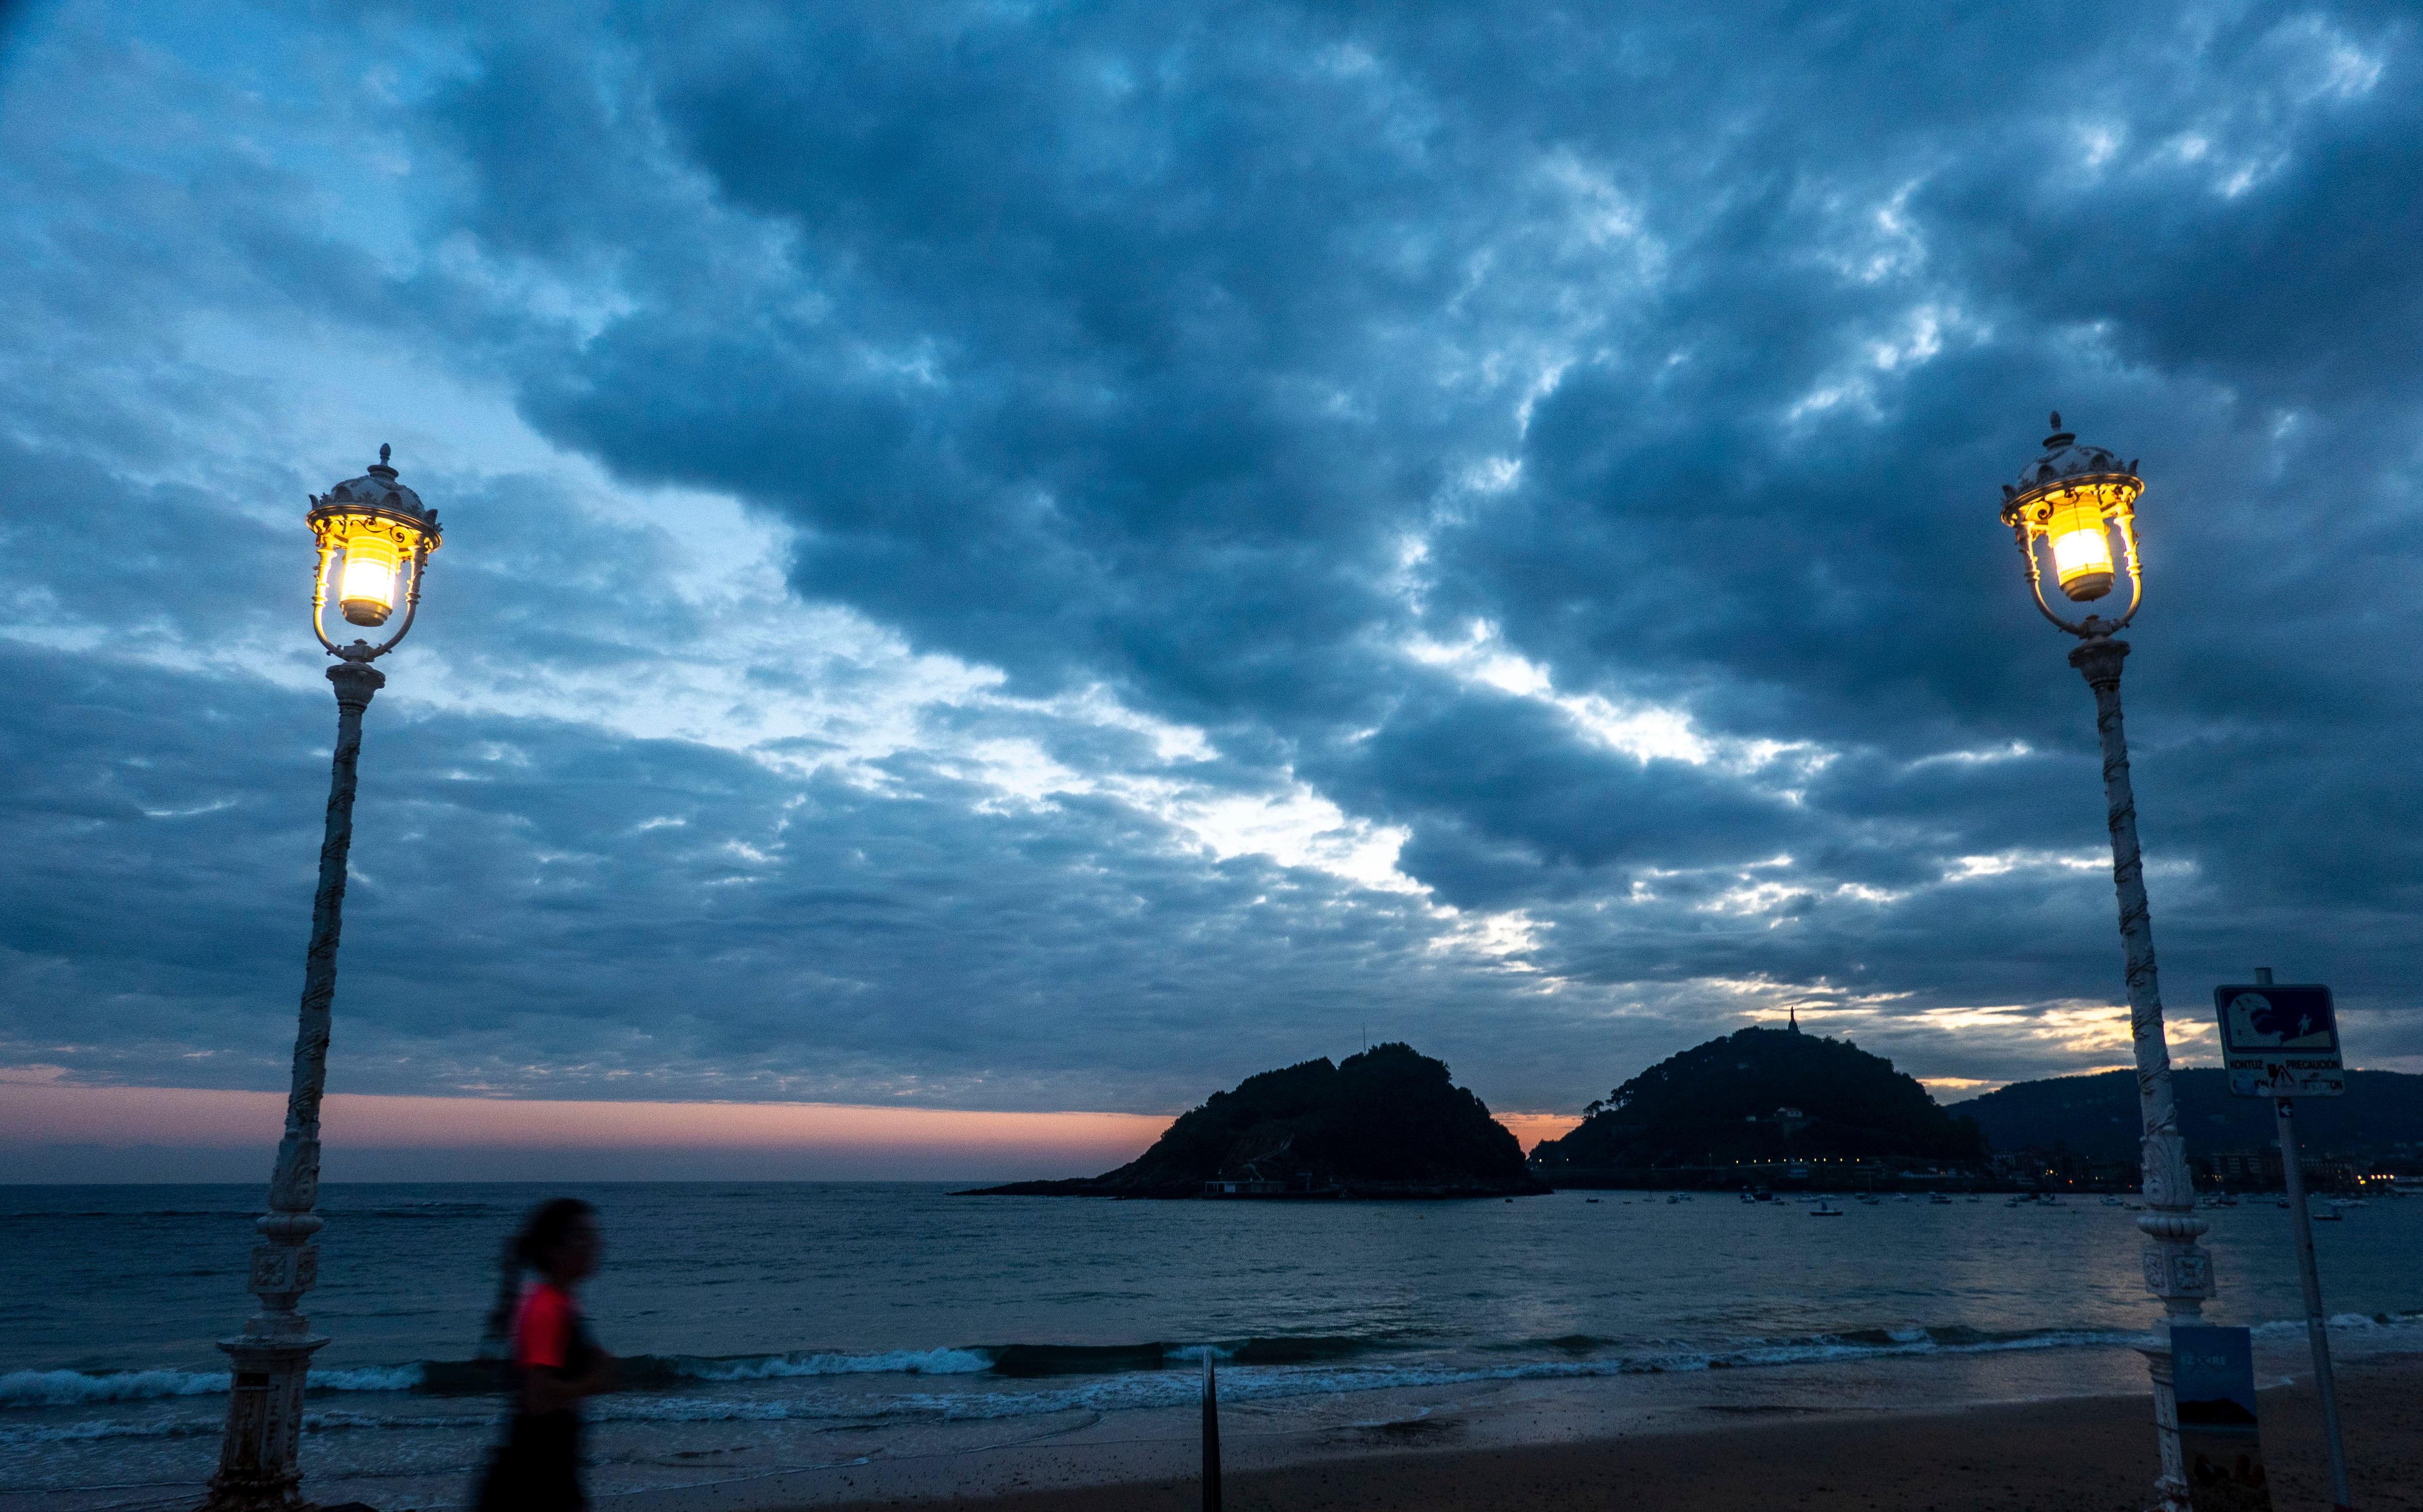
x=272 y=1357
x=2177 y=1270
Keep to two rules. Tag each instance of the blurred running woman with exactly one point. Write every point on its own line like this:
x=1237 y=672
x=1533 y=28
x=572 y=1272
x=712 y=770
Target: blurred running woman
x=554 y=1362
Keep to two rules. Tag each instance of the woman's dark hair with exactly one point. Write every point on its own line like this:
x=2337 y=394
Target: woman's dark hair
x=548 y=1226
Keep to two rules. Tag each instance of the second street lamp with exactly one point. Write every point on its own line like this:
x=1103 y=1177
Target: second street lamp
x=2077 y=499
x=375 y=536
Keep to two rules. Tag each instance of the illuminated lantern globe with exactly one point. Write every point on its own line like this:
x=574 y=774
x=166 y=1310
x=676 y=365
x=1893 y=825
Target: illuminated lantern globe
x=2077 y=497
x=375 y=537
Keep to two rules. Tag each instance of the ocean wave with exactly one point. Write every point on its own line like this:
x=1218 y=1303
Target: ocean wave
x=1172 y=1390
x=936 y=1361
x=1118 y=1379
x=91 y=1429
x=2347 y=1322
x=72 y=1388
x=16 y=1436
x=1017 y=1362
x=1285 y=1349
x=1135 y=1390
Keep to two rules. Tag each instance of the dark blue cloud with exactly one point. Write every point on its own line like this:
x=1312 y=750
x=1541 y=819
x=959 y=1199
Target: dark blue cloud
x=1566 y=445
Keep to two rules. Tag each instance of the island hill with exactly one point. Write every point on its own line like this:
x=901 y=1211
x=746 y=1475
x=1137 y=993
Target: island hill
x=2082 y=1130
x=1761 y=1107
x=1390 y=1122
x=1766 y=1107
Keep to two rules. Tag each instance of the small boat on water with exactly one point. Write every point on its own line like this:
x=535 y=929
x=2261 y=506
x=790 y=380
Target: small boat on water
x=1825 y=1210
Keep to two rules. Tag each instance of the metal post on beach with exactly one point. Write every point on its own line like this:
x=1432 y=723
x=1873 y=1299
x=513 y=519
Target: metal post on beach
x=1211 y=1436
x=2075 y=497
x=371 y=533
x=2318 y=1331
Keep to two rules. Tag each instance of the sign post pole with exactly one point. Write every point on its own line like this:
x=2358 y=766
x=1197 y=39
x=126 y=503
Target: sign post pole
x=2318 y=1331
x=2283 y=1043
x=1211 y=1436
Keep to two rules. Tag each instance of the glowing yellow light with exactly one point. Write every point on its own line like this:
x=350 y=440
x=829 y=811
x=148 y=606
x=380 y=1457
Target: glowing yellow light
x=368 y=595
x=2081 y=547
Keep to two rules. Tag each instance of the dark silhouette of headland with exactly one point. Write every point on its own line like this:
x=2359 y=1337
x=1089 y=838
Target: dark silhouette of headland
x=1390 y=1122
x=2380 y=1119
x=1756 y=1106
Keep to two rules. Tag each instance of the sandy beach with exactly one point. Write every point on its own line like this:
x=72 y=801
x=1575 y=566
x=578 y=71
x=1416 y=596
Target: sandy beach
x=1763 y=1448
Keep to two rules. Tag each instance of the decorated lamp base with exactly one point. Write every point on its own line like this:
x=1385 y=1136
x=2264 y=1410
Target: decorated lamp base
x=258 y=1469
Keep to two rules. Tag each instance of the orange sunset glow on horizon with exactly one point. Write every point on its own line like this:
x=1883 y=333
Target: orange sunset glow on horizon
x=49 y=1131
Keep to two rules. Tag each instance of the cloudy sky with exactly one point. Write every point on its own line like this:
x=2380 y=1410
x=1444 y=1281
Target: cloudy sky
x=1028 y=557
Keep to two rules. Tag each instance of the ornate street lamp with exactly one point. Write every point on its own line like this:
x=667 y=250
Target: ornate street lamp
x=2077 y=497
x=375 y=537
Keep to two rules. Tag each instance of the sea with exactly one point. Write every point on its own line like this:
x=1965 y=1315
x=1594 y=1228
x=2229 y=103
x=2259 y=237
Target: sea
x=769 y=1327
